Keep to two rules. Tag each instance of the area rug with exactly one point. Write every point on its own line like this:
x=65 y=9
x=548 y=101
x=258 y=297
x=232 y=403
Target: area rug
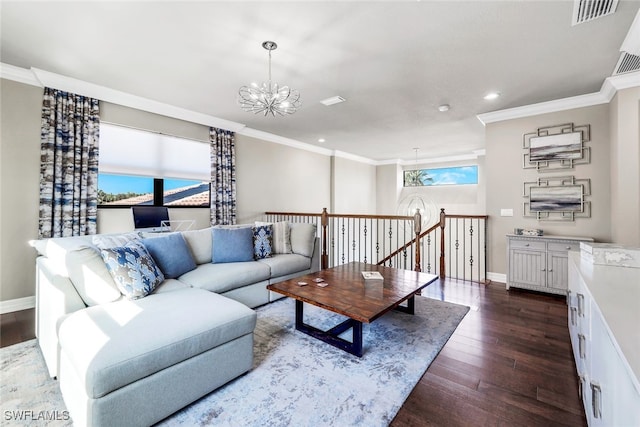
x=296 y=379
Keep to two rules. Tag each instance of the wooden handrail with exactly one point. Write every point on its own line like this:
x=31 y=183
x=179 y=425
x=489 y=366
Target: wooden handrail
x=330 y=215
x=408 y=244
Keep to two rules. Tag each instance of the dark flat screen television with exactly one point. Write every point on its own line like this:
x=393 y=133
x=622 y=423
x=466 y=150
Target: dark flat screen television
x=149 y=218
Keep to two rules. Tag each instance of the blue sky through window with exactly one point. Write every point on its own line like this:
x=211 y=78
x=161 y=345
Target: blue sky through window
x=457 y=175
x=118 y=184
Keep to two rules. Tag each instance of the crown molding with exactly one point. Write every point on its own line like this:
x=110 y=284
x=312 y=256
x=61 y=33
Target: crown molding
x=266 y=136
x=580 y=101
x=354 y=157
x=103 y=93
x=608 y=90
x=623 y=81
x=18 y=74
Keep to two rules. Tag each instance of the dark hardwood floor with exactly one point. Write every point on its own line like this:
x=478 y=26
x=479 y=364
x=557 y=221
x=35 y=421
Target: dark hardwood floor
x=509 y=363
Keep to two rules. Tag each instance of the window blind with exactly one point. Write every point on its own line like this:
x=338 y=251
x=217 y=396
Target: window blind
x=131 y=151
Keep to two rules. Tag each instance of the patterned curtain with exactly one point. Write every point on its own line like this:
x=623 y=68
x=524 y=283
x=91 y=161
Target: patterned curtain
x=223 y=176
x=68 y=164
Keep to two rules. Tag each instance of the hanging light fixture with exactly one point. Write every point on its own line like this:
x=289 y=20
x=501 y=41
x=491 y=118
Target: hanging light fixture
x=269 y=97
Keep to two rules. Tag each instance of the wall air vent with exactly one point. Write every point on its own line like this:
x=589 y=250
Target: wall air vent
x=588 y=10
x=627 y=63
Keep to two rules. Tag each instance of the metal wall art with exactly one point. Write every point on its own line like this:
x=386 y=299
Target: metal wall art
x=556 y=147
x=560 y=198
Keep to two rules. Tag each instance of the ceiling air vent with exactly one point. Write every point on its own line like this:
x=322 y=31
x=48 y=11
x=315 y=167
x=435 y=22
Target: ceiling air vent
x=628 y=63
x=588 y=10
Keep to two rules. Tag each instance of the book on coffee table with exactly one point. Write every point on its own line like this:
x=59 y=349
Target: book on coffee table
x=372 y=276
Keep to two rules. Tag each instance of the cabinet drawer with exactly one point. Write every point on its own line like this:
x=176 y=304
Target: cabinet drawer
x=563 y=247
x=527 y=244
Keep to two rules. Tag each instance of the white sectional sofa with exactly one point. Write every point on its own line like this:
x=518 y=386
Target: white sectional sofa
x=127 y=355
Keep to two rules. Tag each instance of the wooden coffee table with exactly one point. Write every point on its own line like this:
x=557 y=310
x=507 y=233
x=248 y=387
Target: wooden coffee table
x=349 y=295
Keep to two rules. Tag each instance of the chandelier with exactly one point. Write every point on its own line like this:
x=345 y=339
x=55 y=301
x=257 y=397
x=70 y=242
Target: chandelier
x=269 y=97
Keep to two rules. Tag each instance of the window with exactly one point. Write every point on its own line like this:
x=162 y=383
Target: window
x=127 y=190
x=145 y=168
x=457 y=175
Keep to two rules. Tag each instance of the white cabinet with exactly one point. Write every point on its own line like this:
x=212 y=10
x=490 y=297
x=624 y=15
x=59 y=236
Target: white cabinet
x=539 y=263
x=604 y=322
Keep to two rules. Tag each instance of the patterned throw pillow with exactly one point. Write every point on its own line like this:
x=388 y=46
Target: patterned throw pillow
x=133 y=269
x=262 y=241
x=281 y=236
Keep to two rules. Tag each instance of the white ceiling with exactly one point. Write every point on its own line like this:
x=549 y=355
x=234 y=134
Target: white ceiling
x=395 y=62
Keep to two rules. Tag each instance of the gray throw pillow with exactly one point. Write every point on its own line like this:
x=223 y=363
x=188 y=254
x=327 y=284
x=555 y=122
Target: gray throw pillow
x=303 y=238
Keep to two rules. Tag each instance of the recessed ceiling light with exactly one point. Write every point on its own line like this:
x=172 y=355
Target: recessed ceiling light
x=444 y=107
x=491 y=95
x=321 y=140
x=332 y=100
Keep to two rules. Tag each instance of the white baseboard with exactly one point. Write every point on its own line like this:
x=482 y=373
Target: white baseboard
x=497 y=277
x=17 y=304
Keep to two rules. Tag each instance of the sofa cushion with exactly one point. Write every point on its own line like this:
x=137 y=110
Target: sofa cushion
x=199 y=242
x=170 y=285
x=262 y=241
x=231 y=244
x=112 y=345
x=303 y=238
x=171 y=253
x=226 y=276
x=89 y=274
x=284 y=264
x=56 y=249
x=281 y=236
x=133 y=269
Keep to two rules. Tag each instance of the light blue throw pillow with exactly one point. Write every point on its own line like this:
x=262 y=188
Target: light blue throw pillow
x=133 y=269
x=262 y=241
x=171 y=253
x=232 y=245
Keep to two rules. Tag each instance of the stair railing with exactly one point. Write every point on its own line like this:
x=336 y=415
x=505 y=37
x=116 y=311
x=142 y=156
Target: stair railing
x=459 y=248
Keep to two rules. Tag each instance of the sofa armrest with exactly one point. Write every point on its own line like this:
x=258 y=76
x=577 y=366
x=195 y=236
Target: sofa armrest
x=55 y=298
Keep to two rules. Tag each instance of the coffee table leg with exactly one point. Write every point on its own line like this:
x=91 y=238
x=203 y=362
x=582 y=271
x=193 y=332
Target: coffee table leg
x=410 y=308
x=331 y=336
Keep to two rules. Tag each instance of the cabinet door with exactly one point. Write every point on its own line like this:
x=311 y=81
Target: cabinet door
x=557 y=264
x=527 y=267
x=600 y=409
x=578 y=322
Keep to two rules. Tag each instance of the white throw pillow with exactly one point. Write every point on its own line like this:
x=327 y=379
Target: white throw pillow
x=281 y=236
x=90 y=276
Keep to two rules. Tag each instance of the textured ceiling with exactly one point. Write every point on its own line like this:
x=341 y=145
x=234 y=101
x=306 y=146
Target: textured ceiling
x=395 y=62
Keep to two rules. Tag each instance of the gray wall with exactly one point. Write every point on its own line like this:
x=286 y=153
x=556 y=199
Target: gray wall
x=277 y=177
x=353 y=187
x=625 y=167
x=270 y=177
x=19 y=186
x=505 y=177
